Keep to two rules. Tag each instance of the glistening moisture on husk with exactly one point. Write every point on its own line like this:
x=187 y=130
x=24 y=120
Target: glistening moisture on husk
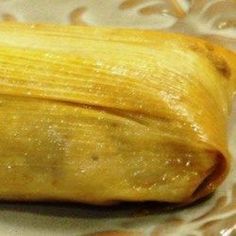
x=102 y=115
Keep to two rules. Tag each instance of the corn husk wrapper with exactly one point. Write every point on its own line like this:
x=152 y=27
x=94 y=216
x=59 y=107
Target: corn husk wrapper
x=102 y=115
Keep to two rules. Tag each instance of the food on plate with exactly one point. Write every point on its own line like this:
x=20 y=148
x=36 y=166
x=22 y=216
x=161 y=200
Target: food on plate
x=103 y=115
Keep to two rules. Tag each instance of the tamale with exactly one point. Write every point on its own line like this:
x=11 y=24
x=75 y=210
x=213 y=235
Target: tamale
x=102 y=115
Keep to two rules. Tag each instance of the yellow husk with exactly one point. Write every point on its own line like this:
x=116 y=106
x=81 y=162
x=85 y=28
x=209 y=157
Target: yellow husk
x=101 y=115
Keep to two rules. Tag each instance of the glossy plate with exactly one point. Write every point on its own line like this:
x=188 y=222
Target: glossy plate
x=211 y=19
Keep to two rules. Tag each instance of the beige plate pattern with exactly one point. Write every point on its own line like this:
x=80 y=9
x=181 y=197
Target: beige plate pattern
x=211 y=19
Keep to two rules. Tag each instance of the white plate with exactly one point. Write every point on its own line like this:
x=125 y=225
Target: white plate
x=212 y=19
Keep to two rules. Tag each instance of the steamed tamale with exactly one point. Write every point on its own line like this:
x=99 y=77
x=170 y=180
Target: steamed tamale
x=102 y=115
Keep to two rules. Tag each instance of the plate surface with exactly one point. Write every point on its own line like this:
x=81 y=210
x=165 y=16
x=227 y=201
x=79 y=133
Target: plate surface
x=211 y=19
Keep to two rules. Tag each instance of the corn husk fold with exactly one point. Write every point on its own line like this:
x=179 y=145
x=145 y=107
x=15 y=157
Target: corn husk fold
x=100 y=115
